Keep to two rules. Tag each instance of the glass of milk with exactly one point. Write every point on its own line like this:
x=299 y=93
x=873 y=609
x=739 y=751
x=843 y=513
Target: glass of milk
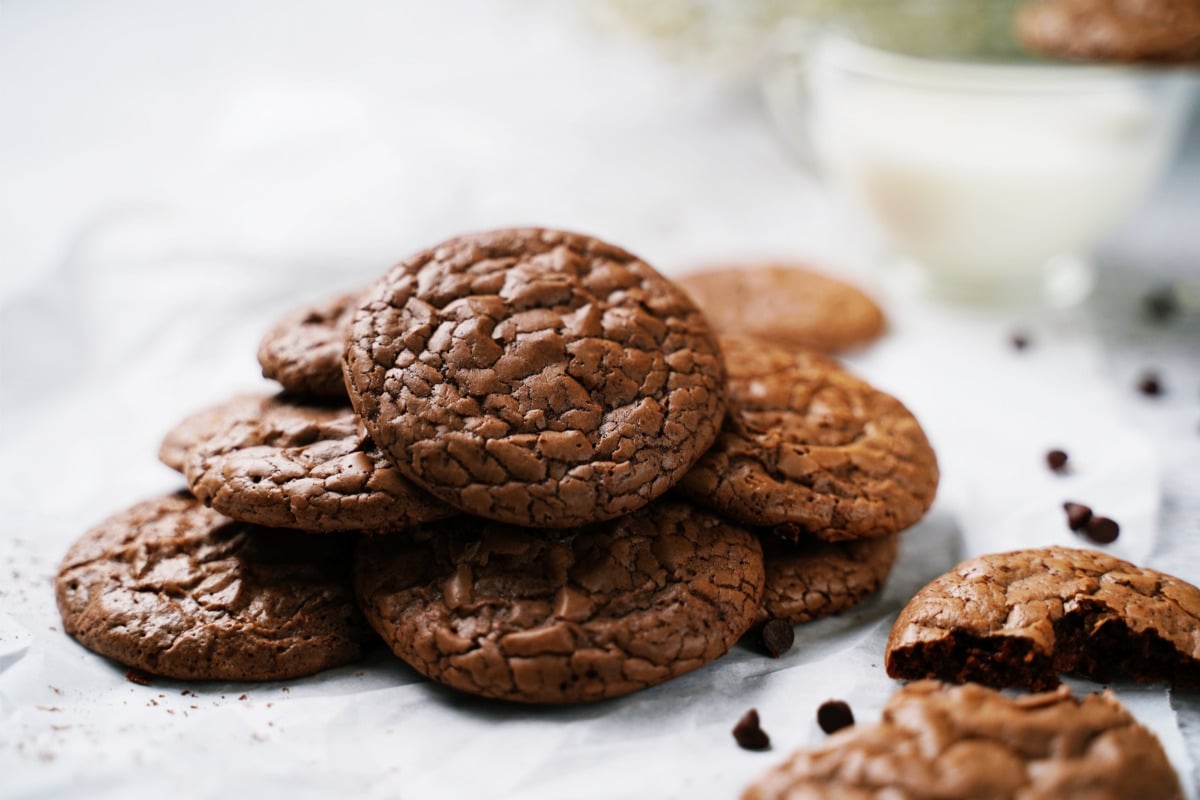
x=994 y=179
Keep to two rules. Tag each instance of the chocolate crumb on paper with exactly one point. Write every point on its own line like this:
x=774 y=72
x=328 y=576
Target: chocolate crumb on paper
x=833 y=715
x=749 y=733
x=777 y=637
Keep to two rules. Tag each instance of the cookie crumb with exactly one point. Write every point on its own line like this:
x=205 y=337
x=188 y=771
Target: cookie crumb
x=833 y=715
x=1078 y=515
x=749 y=733
x=1150 y=384
x=1057 y=461
x=777 y=637
x=1102 y=530
x=1161 y=305
x=138 y=677
x=1019 y=341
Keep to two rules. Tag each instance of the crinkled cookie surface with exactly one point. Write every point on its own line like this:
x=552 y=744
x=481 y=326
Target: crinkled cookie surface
x=535 y=377
x=937 y=742
x=562 y=616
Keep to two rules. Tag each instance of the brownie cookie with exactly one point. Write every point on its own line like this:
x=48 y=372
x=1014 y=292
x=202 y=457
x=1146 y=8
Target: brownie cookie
x=786 y=305
x=535 y=377
x=812 y=579
x=276 y=461
x=1160 y=31
x=173 y=588
x=937 y=741
x=203 y=425
x=809 y=449
x=1023 y=618
x=304 y=349
x=563 y=616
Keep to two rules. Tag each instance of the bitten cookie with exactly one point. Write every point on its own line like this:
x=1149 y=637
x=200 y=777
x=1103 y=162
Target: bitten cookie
x=809 y=449
x=1161 y=31
x=535 y=377
x=786 y=305
x=564 y=616
x=303 y=351
x=276 y=461
x=938 y=741
x=1025 y=617
x=173 y=588
x=812 y=579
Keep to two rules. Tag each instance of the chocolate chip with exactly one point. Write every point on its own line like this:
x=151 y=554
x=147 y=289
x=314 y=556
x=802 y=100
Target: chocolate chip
x=833 y=715
x=1057 y=461
x=1078 y=515
x=138 y=677
x=749 y=735
x=1102 y=530
x=1161 y=304
x=1150 y=384
x=1019 y=341
x=777 y=637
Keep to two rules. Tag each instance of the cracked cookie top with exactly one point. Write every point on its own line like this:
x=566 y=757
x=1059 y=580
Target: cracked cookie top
x=1024 y=617
x=937 y=741
x=173 y=588
x=535 y=377
x=303 y=351
x=808 y=448
x=811 y=579
x=562 y=616
x=284 y=463
x=786 y=305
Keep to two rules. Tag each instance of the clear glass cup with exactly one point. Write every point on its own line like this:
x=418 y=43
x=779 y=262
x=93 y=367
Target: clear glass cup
x=993 y=175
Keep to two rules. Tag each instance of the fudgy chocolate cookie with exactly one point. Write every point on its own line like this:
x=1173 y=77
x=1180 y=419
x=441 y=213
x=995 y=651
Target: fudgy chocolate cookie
x=563 y=616
x=810 y=449
x=280 y=462
x=303 y=351
x=786 y=305
x=1160 y=31
x=203 y=425
x=1025 y=617
x=811 y=579
x=173 y=588
x=937 y=741
x=535 y=377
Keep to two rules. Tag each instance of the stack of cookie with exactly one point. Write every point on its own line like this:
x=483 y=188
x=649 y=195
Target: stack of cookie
x=528 y=462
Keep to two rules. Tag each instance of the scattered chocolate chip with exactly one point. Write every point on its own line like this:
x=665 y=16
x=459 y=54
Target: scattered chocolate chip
x=749 y=734
x=833 y=715
x=1078 y=515
x=1057 y=460
x=777 y=637
x=138 y=677
x=1150 y=384
x=1102 y=530
x=1161 y=304
x=1019 y=341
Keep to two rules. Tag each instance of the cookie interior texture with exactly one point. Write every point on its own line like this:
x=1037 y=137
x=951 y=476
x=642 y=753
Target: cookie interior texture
x=303 y=350
x=175 y=589
x=1021 y=619
x=1155 y=31
x=808 y=448
x=786 y=305
x=812 y=579
x=286 y=461
x=562 y=616
x=535 y=377
x=937 y=741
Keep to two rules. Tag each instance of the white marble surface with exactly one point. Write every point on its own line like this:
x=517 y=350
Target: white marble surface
x=172 y=178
